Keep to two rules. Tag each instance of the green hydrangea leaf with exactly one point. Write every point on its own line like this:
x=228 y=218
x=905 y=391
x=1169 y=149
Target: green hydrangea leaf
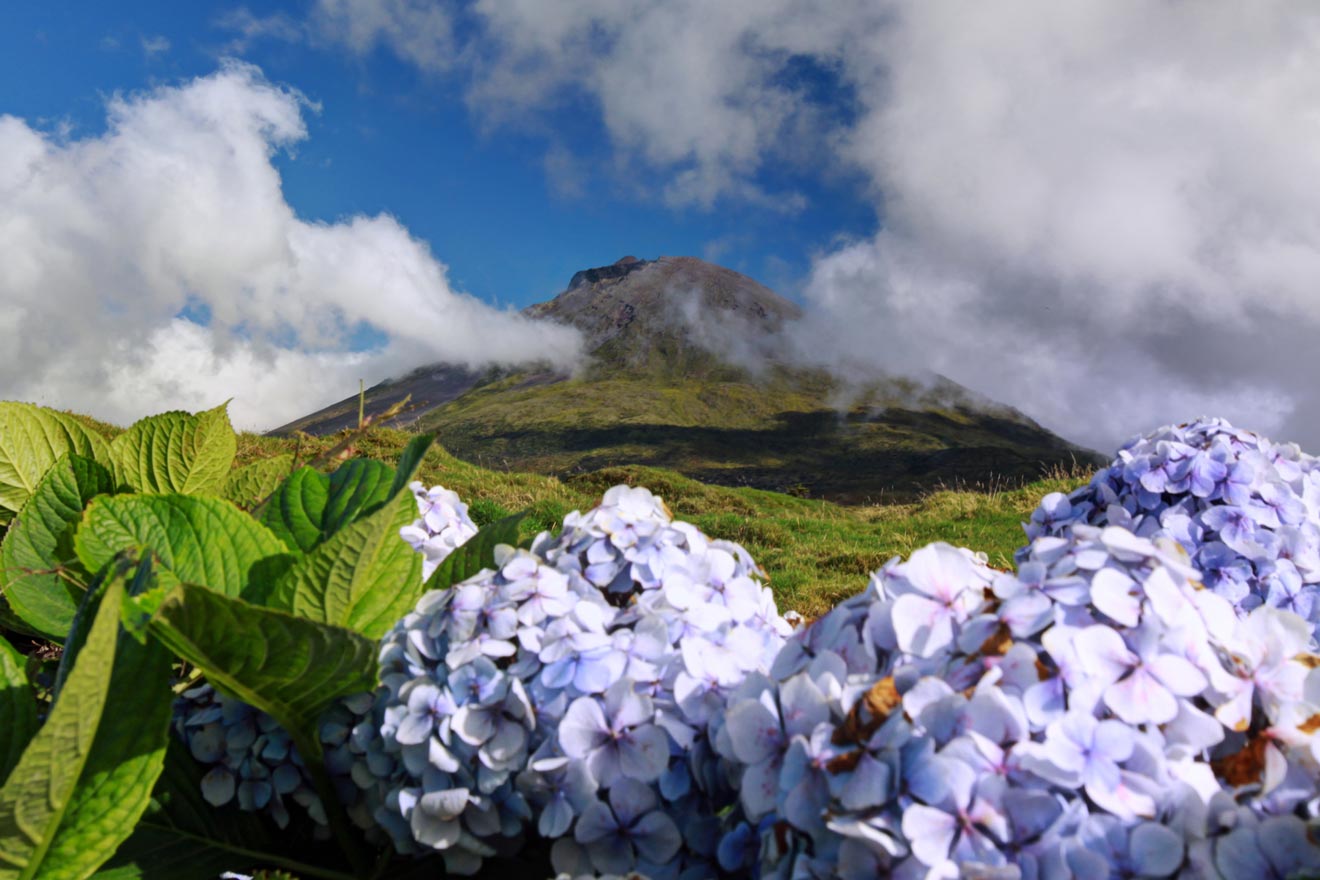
x=297 y=509
x=201 y=540
x=410 y=461
x=11 y=621
x=18 y=708
x=286 y=666
x=32 y=438
x=309 y=506
x=364 y=576
x=86 y=777
x=358 y=487
x=176 y=452
x=250 y=485
x=40 y=540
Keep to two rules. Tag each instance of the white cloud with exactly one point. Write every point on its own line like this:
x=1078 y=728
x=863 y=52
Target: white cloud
x=177 y=209
x=1104 y=212
x=248 y=28
x=418 y=31
x=690 y=88
x=155 y=45
x=564 y=172
x=703 y=91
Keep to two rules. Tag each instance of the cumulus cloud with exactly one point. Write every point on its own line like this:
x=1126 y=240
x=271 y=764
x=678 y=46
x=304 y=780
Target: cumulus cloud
x=1103 y=212
x=158 y=265
x=712 y=94
x=706 y=93
x=418 y=31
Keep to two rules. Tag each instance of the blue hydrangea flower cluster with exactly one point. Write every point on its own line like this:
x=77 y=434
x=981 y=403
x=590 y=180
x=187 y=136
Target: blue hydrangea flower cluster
x=568 y=694
x=1247 y=510
x=444 y=525
x=1098 y=713
x=252 y=760
x=1140 y=698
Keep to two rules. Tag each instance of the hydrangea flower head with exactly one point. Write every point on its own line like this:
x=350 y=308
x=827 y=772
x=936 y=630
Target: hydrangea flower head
x=1246 y=510
x=568 y=693
x=442 y=527
x=1077 y=718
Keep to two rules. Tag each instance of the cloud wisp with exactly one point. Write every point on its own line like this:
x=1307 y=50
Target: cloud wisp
x=1102 y=212
x=158 y=265
x=1106 y=213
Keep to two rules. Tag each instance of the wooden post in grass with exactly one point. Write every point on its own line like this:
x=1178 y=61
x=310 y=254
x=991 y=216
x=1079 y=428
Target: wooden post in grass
x=362 y=400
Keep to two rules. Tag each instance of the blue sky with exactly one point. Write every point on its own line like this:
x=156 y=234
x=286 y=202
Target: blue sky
x=391 y=138
x=1103 y=213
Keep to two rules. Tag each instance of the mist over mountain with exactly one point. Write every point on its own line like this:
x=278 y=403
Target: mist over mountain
x=670 y=316
x=690 y=366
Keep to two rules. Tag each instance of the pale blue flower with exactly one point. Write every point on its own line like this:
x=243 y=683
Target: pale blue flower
x=560 y=788
x=218 y=786
x=1275 y=849
x=614 y=737
x=1140 y=686
x=1142 y=850
x=1264 y=669
x=429 y=707
x=1207 y=472
x=444 y=525
x=945 y=584
x=1079 y=751
x=629 y=829
x=963 y=826
x=434 y=816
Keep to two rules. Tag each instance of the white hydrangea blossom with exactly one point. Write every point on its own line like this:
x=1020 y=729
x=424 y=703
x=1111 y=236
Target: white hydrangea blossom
x=443 y=525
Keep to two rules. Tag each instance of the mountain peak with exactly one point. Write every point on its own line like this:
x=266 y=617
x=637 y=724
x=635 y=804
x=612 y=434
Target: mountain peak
x=618 y=269
x=685 y=371
x=645 y=312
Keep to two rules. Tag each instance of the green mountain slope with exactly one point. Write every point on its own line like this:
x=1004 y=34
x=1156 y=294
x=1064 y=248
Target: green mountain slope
x=815 y=552
x=684 y=374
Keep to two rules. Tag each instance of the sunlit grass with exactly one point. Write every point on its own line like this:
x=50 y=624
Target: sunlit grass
x=815 y=553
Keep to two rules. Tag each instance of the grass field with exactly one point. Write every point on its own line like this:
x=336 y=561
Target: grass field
x=815 y=553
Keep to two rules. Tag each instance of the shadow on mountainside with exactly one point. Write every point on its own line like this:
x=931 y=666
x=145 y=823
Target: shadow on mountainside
x=855 y=459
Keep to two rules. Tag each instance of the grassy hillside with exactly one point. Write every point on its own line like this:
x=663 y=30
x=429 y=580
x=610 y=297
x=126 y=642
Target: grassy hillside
x=772 y=435
x=814 y=552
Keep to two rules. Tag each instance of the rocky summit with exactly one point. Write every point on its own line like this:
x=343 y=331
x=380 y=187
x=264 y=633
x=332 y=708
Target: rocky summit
x=660 y=314
x=684 y=372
